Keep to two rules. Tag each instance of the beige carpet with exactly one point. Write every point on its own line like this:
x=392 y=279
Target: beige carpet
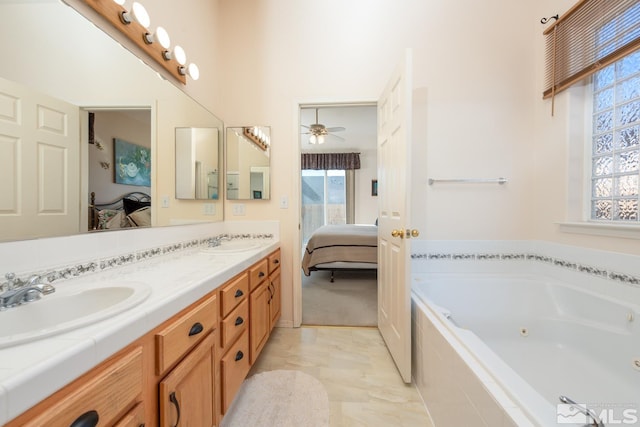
x=280 y=398
x=351 y=300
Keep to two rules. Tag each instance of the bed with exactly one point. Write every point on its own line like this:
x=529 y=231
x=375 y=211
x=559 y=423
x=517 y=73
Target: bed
x=341 y=247
x=131 y=210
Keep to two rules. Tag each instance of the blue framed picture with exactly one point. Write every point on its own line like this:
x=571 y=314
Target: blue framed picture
x=132 y=163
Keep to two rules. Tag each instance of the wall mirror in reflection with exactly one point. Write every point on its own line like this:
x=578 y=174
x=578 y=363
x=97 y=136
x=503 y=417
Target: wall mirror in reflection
x=197 y=172
x=247 y=163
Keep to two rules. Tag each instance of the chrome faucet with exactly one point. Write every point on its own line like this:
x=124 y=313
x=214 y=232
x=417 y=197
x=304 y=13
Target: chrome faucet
x=217 y=241
x=588 y=413
x=21 y=292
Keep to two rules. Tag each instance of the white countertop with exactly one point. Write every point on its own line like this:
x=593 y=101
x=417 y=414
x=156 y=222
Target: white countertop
x=30 y=372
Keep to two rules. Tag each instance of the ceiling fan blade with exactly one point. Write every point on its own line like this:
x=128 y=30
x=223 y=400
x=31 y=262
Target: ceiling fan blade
x=336 y=136
x=336 y=129
x=305 y=126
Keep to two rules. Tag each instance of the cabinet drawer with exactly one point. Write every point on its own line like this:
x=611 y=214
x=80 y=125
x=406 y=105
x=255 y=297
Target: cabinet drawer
x=113 y=388
x=185 y=332
x=133 y=418
x=235 y=323
x=233 y=293
x=274 y=261
x=258 y=273
x=235 y=367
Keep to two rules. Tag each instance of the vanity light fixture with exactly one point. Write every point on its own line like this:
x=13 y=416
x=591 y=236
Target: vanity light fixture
x=192 y=70
x=133 y=23
x=139 y=13
x=255 y=135
x=161 y=36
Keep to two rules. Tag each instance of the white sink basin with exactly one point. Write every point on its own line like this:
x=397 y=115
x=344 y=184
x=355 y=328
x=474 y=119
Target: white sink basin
x=65 y=310
x=233 y=246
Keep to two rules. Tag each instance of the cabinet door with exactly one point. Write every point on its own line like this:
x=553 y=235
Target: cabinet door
x=274 y=302
x=260 y=318
x=187 y=393
x=133 y=418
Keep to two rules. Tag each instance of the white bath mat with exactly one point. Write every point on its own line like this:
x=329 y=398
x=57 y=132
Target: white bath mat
x=279 y=398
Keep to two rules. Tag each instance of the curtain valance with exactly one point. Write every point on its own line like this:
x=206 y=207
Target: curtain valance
x=330 y=161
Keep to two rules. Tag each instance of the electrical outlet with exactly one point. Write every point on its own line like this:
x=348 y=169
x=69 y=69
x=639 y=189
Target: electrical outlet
x=209 y=209
x=284 y=202
x=238 y=209
x=165 y=201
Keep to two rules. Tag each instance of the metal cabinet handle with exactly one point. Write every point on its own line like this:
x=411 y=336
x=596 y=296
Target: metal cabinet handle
x=239 y=355
x=239 y=293
x=88 y=419
x=173 y=399
x=239 y=321
x=261 y=274
x=276 y=261
x=196 y=329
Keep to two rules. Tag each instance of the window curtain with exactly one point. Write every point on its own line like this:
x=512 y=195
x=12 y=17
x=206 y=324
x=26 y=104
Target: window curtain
x=331 y=161
x=588 y=37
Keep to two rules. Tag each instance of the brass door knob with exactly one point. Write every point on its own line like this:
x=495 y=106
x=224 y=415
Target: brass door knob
x=415 y=233
x=397 y=233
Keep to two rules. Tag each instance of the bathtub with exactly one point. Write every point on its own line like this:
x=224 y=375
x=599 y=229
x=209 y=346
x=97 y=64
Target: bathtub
x=502 y=349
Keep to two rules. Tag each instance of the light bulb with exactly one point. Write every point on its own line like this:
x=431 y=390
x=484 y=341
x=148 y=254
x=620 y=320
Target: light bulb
x=178 y=53
x=161 y=36
x=140 y=14
x=320 y=139
x=312 y=139
x=194 y=71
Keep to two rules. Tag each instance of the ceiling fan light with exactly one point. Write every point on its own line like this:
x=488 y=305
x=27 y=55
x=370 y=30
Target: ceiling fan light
x=320 y=139
x=312 y=139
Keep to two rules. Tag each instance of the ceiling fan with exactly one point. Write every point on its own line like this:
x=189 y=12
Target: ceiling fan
x=318 y=132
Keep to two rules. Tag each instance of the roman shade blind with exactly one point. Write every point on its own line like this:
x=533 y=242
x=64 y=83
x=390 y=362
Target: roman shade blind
x=589 y=36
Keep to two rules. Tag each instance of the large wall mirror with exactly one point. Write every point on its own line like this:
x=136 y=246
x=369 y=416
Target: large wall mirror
x=247 y=163
x=59 y=56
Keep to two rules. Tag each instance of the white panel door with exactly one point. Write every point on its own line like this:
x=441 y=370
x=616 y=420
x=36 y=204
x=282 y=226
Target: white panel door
x=39 y=164
x=394 y=172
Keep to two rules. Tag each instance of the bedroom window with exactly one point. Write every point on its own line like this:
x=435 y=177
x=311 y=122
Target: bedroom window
x=324 y=199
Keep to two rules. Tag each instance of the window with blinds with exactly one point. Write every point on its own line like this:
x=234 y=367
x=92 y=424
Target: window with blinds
x=590 y=36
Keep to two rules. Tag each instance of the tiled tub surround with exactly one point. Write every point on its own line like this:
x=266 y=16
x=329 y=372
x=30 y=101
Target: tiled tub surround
x=31 y=371
x=524 y=302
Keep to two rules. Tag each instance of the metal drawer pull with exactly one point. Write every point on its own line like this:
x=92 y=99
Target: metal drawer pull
x=239 y=355
x=174 y=400
x=261 y=274
x=239 y=293
x=277 y=261
x=239 y=321
x=196 y=329
x=88 y=419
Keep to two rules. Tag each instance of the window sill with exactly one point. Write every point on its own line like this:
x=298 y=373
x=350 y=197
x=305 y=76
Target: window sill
x=627 y=231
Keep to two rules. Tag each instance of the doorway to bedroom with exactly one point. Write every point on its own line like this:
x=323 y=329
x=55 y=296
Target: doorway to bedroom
x=337 y=182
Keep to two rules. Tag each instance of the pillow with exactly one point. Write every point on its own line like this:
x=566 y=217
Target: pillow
x=130 y=205
x=109 y=219
x=141 y=217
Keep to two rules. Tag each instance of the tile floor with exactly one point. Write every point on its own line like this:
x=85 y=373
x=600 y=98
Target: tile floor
x=356 y=369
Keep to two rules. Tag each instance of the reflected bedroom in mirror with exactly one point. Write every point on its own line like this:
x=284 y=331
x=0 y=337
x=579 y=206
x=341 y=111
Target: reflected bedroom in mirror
x=247 y=163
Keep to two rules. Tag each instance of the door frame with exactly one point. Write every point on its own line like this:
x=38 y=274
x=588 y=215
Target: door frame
x=297 y=179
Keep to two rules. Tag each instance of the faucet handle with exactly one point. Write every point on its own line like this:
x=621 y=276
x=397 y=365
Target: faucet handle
x=34 y=280
x=11 y=281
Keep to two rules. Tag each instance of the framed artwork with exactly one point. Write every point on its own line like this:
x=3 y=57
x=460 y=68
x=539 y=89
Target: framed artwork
x=374 y=187
x=132 y=163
